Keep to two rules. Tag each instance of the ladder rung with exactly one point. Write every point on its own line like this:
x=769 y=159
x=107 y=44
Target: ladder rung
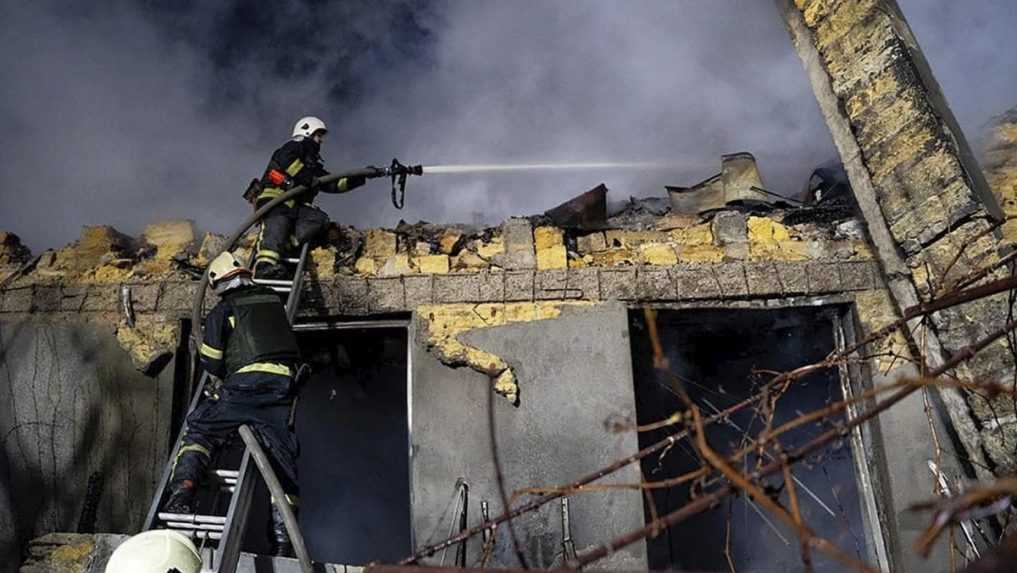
x=281 y=289
x=292 y=260
x=213 y=535
x=227 y=473
x=192 y=518
x=273 y=282
x=194 y=526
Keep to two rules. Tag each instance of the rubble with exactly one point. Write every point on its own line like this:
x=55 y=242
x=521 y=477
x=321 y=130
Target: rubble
x=738 y=184
x=1000 y=164
x=171 y=239
x=150 y=342
x=12 y=252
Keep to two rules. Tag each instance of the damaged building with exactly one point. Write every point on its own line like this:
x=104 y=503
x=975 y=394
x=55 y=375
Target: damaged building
x=432 y=342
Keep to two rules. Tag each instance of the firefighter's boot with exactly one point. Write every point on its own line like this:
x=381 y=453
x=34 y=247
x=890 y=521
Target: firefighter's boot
x=279 y=537
x=272 y=271
x=180 y=498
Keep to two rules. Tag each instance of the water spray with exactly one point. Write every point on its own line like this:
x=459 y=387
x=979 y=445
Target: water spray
x=503 y=167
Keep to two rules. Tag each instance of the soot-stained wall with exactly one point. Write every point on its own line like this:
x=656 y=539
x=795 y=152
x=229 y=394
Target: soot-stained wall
x=574 y=373
x=74 y=407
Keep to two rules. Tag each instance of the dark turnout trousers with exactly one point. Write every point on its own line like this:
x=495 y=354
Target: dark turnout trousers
x=288 y=226
x=260 y=400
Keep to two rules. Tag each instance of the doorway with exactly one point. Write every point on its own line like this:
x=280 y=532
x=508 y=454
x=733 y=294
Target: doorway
x=353 y=424
x=718 y=356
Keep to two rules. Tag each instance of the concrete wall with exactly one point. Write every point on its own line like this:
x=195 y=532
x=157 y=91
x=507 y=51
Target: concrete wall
x=574 y=372
x=73 y=406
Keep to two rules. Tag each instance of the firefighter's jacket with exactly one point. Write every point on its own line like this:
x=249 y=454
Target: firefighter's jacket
x=300 y=161
x=247 y=331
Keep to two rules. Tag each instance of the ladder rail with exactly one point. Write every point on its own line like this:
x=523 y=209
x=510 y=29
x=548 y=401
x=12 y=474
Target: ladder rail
x=227 y=557
x=153 y=511
x=297 y=287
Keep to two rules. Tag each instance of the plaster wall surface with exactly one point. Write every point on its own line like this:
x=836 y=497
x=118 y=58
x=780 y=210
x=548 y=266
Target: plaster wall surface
x=575 y=372
x=74 y=406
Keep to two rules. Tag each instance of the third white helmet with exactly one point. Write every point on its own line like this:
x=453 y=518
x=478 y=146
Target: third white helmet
x=308 y=126
x=156 y=551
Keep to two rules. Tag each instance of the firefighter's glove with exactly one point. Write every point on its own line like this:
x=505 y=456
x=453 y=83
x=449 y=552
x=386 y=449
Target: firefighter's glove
x=376 y=172
x=213 y=387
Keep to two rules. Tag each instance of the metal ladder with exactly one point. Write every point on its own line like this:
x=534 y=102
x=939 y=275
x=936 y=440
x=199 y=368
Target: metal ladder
x=221 y=536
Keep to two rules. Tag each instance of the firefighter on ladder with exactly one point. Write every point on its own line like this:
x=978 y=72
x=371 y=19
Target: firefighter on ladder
x=250 y=346
x=297 y=221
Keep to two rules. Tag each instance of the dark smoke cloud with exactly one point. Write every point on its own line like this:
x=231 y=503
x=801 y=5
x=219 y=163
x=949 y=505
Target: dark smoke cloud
x=130 y=113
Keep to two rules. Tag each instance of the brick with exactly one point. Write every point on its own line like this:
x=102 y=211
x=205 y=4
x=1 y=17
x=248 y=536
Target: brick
x=106 y=298
x=456 y=288
x=46 y=298
x=655 y=284
x=519 y=252
x=492 y=286
x=176 y=296
x=18 y=299
x=793 y=278
x=731 y=277
x=729 y=227
x=432 y=264
x=823 y=278
x=72 y=298
x=145 y=296
x=385 y=295
x=550 y=285
x=618 y=284
x=351 y=295
x=585 y=282
x=695 y=282
x=858 y=276
x=519 y=286
x=591 y=243
x=419 y=290
x=762 y=279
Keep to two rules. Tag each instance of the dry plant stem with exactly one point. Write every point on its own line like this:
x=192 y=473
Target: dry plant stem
x=950 y=508
x=985 y=271
x=960 y=252
x=743 y=483
x=796 y=513
x=706 y=501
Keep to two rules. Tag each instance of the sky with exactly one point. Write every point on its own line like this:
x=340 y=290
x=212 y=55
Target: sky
x=127 y=113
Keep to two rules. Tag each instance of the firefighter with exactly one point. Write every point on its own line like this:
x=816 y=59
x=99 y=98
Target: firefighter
x=250 y=346
x=156 y=551
x=297 y=221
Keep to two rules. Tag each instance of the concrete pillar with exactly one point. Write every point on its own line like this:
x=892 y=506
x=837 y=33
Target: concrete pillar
x=927 y=206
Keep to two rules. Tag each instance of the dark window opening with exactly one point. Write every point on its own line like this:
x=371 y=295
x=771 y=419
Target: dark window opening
x=714 y=353
x=353 y=427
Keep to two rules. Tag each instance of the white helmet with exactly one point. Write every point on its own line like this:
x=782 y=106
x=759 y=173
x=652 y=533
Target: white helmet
x=224 y=266
x=308 y=126
x=156 y=551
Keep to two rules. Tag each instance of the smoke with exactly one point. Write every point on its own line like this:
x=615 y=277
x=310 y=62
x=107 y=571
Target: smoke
x=130 y=113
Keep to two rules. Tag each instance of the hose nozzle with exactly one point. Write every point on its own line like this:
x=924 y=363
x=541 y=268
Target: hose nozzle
x=399 y=172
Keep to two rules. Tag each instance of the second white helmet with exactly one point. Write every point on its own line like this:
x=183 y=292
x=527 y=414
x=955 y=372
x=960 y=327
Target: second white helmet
x=308 y=126
x=156 y=551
